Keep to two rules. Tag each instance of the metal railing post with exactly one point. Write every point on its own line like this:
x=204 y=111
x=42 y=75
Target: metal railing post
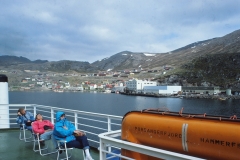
x=109 y=130
x=34 y=110
x=102 y=155
x=109 y=124
x=76 y=120
x=52 y=115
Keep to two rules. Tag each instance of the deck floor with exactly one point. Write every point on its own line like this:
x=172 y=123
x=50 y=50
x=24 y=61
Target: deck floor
x=12 y=148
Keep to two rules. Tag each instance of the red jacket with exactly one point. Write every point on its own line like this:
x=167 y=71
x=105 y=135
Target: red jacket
x=37 y=126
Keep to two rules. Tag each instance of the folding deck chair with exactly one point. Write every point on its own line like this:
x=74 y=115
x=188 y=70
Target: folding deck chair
x=22 y=134
x=62 y=146
x=37 y=142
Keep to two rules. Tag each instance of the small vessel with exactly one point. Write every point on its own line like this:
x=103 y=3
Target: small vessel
x=107 y=91
x=222 y=98
x=58 y=90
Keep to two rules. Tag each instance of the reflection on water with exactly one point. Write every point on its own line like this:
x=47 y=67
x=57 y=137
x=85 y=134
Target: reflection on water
x=117 y=104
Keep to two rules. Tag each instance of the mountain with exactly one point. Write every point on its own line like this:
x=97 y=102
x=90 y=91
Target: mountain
x=65 y=65
x=13 y=60
x=227 y=45
x=124 y=60
x=23 y=63
x=213 y=62
x=40 y=61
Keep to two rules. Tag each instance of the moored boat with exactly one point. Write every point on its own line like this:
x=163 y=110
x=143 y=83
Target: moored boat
x=222 y=98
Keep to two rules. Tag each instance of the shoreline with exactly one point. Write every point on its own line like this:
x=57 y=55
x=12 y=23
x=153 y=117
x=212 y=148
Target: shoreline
x=220 y=97
x=195 y=96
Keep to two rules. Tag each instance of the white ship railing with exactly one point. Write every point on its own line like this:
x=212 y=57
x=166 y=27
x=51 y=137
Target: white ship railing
x=111 y=139
x=103 y=131
x=91 y=123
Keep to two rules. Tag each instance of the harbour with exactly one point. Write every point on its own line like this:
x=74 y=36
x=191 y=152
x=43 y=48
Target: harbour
x=117 y=104
x=89 y=110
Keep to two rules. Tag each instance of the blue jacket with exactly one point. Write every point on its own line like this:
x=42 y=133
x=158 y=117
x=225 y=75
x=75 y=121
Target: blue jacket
x=24 y=119
x=61 y=133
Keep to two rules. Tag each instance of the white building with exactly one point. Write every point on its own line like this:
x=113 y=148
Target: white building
x=67 y=85
x=75 y=88
x=138 y=85
x=119 y=84
x=202 y=90
x=162 y=89
x=40 y=82
x=91 y=88
x=100 y=86
x=49 y=86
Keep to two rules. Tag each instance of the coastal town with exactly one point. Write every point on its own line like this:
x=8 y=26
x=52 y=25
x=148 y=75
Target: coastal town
x=33 y=80
x=127 y=82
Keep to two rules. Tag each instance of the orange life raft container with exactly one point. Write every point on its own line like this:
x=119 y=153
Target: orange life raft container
x=210 y=137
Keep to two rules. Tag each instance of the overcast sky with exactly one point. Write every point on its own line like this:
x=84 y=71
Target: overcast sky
x=87 y=30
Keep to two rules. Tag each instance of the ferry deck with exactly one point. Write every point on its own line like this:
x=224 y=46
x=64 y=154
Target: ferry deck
x=103 y=132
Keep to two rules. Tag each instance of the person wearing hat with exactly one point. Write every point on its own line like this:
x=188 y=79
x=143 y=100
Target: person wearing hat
x=25 y=117
x=65 y=130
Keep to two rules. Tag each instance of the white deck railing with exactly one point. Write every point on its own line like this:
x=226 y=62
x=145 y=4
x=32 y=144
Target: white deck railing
x=91 y=123
x=111 y=139
x=103 y=131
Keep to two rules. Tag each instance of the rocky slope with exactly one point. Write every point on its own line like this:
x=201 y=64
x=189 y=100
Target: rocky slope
x=219 y=69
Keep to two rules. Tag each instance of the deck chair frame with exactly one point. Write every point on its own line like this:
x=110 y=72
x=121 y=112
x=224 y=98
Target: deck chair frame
x=63 y=147
x=37 y=140
x=22 y=134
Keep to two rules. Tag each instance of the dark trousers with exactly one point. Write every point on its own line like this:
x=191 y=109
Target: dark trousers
x=80 y=142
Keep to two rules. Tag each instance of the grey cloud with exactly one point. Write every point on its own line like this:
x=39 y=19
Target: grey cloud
x=92 y=30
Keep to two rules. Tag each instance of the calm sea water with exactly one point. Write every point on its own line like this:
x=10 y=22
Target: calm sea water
x=116 y=104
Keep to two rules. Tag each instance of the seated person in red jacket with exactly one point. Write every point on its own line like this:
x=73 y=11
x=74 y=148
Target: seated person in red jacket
x=44 y=128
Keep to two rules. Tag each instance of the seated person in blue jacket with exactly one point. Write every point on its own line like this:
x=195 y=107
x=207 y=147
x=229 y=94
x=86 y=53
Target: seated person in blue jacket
x=25 y=117
x=65 y=130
